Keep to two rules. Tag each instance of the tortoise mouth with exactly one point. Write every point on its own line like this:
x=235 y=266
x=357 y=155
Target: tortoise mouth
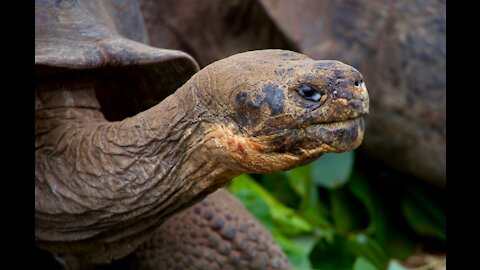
x=342 y=135
x=318 y=138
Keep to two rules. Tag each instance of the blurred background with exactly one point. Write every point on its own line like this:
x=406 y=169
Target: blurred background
x=381 y=206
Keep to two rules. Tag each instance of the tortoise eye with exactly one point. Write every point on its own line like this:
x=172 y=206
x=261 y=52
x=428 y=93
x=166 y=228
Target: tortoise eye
x=309 y=92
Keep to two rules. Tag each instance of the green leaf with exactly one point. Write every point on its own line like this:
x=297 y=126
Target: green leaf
x=363 y=264
x=365 y=193
x=393 y=265
x=385 y=224
x=281 y=220
x=278 y=186
x=422 y=219
x=332 y=255
x=345 y=213
x=285 y=219
x=332 y=170
x=257 y=206
x=305 y=242
x=429 y=199
x=300 y=180
x=399 y=244
x=315 y=214
x=296 y=253
x=423 y=208
x=364 y=246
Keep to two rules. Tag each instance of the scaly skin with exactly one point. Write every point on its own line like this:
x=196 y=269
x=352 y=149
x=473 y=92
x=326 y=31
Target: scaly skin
x=217 y=233
x=102 y=188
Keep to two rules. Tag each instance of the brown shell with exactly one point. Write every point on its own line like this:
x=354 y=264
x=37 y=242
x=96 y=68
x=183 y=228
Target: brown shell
x=107 y=37
x=211 y=30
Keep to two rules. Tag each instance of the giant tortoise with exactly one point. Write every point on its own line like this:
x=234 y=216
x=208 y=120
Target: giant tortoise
x=400 y=47
x=130 y=138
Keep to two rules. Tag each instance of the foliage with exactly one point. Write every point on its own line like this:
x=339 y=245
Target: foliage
x=330 y=215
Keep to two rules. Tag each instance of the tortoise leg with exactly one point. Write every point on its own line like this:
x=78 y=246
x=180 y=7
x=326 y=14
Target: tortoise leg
x=216 y=233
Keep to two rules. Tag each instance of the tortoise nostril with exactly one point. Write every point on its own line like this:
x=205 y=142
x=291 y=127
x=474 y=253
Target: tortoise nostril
x=358 y=82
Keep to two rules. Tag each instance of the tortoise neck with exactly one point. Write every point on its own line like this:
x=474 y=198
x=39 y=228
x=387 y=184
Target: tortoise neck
x=172 y=140
x=120 y=177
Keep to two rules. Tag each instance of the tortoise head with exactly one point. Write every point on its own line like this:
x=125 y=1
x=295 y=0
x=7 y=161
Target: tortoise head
x=282 y=109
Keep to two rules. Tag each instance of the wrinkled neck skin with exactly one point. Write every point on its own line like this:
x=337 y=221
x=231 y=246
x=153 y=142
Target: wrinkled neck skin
x=98 y=182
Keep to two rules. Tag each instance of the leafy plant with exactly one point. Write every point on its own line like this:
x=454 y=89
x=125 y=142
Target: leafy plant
x=330 y=215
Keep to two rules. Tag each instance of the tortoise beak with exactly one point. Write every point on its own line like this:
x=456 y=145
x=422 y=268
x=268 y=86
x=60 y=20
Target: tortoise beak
x=341 y=136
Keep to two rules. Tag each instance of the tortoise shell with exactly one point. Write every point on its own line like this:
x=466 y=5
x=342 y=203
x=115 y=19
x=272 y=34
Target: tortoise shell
x=106 y=40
